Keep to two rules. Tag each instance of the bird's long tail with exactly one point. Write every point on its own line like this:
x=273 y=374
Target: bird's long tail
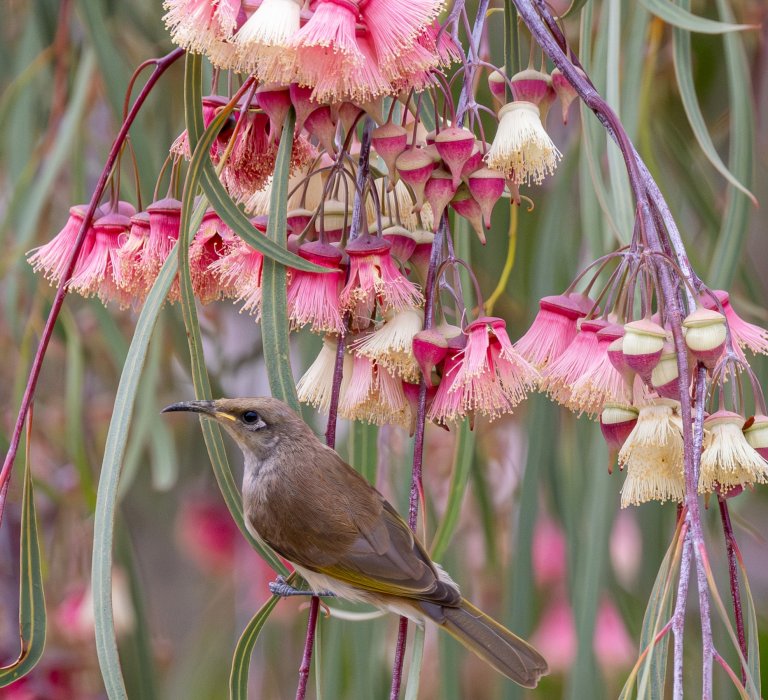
x=494 y=643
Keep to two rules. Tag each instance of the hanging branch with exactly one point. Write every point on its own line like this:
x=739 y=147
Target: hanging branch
x=161 y=65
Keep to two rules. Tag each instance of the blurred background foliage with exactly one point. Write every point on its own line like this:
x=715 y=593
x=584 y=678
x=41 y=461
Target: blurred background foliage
x=540 y=540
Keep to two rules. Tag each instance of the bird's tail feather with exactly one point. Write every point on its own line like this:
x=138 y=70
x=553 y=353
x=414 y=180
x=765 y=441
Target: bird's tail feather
x=495 y=644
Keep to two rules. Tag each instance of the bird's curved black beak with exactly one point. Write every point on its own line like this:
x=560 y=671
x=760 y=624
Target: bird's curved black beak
x=206 y=407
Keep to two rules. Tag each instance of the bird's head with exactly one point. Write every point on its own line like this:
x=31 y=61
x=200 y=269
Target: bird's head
x=256 y=424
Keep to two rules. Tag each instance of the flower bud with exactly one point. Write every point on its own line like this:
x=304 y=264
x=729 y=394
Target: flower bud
x=531 y=85
x=642 y=346
x=335 y=215
x=616 y=423
x=389 y=141
x=565 y=92
x=497 y=84
x=297 y=220
x=757 y=435
x=438 y=191
x=486 y=186
x=320 y=124
x=465 y=205
x=455 y=145
x=705 y=334
x=429 y=347
x=415 y=167
x=665 y=374
x=402 y=240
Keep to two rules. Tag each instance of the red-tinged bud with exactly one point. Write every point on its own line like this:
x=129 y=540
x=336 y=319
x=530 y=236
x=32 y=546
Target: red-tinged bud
x=415 y=167
x=455 y=336
x=389 y=141
x=297 y=220
x=402 y=240
x=705 y=333
x=455 y=145
x=293 y=243
x=475 y=161
x=664 y=376
x=301 y=99
x=486 y=186
x=533 y=86
x=497 y=84
x=419 y=259
x=616 y=423
x=439 y=191
x=744 y=334
x=320 y=124
x=123 y=208
x=348 y=115
x=642 y=346
x=465 y=205
x=757 y=435
x=616 y=357
x=429 y=348
x=275 y=100
x=335 y=217
x=565 y=92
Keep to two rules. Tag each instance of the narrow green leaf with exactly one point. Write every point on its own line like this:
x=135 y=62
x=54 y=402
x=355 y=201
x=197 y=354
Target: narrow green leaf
x=462 y=465
x=753 y=631
x=751 y=690
x=32 y=616
x=733 y=229
x=238 y=677
x=362 y=449
x=106 y=497
x=274 y=313
x=684 y=73
x=414 y=670
x=190 y=221
x=657 y=612
x=679 y=17
x=574 y=7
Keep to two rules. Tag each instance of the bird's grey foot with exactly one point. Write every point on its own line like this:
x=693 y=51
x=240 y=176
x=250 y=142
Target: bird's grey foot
x=280 y=587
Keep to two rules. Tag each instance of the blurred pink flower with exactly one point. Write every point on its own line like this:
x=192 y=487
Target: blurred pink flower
x=206 y=534
x=549 y=560
x=613 y=646
x=555 y=637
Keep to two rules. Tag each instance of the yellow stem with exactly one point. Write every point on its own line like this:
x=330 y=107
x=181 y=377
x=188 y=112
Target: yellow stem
x=509 y=263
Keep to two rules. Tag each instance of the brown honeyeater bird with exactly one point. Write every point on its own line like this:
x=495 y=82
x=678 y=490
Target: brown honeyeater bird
x=342 y=536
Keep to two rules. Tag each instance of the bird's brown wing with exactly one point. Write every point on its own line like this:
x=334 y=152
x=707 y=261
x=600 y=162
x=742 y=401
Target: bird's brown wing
x=355 y=536
x=386 y=558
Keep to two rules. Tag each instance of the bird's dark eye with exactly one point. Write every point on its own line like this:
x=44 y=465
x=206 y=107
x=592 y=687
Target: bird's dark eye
x=250 y=417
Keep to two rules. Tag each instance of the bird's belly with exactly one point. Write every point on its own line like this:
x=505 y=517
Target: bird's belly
x=322 y=583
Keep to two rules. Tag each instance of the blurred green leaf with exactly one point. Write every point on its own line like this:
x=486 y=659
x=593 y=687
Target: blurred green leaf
x=680 y=17
x=462 y=465
x=189 y=222
x=274 y=307
x=735 y=221
x=414 y=670
x=32 y=615
x=684 y=73
x=106 y=497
